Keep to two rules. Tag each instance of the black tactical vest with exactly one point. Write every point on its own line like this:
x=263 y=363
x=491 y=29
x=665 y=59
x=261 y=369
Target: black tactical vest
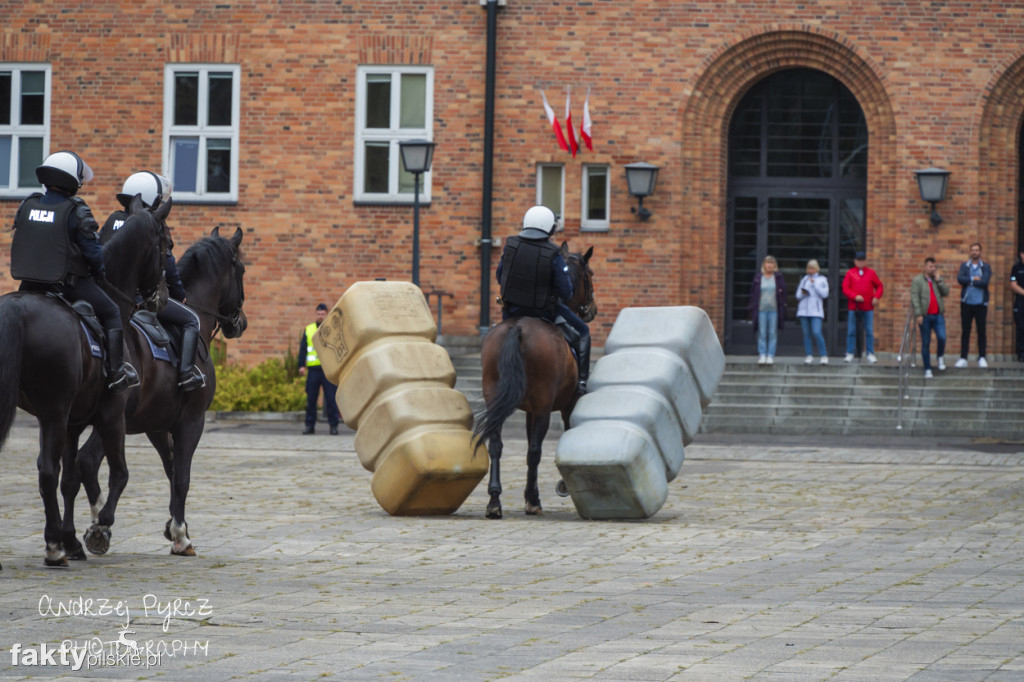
x=526 y=273
x=41 y=250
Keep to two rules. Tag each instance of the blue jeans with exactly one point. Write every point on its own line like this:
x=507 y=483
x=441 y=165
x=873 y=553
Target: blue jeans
x=868 y=317
x=767 y=332
x=812 y=332
x=938 y=323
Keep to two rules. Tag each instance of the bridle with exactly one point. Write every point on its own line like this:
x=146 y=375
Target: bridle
x=230 y=319
x=583 y=309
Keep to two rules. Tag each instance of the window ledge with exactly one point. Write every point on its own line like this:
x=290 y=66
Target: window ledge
x=391 y=202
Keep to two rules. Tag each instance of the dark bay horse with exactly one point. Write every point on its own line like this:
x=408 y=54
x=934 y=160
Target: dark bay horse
x=527 y=365
x=47 y=369
x=212 y=272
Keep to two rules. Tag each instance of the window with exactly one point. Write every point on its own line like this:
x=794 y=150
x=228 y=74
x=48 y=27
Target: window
x=550 y=189
x=392 y=104
x=201 y=121
x=24 y=126
x=594 y=214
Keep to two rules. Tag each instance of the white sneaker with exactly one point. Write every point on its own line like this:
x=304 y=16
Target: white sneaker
x=824 y=359
x=848 y=358
x=961 y=363
x=871 y=358
x=983 y=363
x=761 y=359
x=927 y=374
x=769 y=360
x=942 y=364
x=809 y=359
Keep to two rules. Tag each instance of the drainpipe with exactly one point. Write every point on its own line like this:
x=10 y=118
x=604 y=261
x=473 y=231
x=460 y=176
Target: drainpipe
x=486 y=241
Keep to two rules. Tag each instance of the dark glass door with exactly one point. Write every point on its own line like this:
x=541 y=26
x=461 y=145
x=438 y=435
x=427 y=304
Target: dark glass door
x=797 y=187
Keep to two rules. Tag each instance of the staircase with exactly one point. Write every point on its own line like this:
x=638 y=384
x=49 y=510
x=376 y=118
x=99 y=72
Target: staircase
x=792 y=398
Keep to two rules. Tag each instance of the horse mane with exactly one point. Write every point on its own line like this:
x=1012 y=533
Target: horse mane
x=205 y=259
x=123 y=244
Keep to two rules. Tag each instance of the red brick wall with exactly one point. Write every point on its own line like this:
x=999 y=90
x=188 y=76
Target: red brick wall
x=936 y=90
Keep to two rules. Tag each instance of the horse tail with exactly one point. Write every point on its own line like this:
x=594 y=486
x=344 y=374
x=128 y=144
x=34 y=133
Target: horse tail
x=11 y=333
x=509 y=392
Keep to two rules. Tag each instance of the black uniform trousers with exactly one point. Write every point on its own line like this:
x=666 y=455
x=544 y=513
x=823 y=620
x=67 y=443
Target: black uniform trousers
x=315 y=379
x=85 y=289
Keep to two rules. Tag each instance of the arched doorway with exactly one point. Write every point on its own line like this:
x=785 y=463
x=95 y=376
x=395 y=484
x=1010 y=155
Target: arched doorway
x=797 y=188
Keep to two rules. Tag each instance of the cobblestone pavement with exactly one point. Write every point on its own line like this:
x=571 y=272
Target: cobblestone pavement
x=771 y=560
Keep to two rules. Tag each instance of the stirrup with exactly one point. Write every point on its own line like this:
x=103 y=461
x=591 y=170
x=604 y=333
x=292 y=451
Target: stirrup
x=123 y=378
x=581 y=387
x=192 y=380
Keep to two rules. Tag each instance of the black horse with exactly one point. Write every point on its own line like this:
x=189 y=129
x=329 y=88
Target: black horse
x=212 y=272
x=47 y=369
x=527 y=365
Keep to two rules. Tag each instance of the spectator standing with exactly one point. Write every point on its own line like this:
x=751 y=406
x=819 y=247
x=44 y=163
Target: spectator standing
x=767 y=309
x=309 y=367
x=927 y=297
x=863 y=289
x=973 y=277
x=811 y=294
x=1017 y=286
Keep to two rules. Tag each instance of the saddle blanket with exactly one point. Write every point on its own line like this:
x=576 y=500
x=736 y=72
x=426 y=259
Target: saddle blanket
x=94 y=345
x=158 y=352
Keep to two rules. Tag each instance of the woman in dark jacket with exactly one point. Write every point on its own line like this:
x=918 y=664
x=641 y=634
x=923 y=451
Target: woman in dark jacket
x=767 y=308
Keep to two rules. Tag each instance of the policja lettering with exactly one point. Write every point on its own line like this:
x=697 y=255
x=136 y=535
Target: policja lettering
x=39 y=216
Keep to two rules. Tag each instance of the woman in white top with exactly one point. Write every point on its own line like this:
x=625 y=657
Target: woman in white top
x=811 y=293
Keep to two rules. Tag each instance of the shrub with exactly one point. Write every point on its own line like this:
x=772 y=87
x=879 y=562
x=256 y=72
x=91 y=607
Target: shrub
x=267 y=387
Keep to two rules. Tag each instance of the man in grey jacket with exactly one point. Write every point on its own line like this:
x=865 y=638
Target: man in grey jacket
x=927 y=294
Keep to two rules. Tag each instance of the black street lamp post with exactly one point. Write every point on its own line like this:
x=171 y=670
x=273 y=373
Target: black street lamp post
x=416 y=158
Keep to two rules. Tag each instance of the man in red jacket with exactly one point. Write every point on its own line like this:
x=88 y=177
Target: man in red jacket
x=862 y=289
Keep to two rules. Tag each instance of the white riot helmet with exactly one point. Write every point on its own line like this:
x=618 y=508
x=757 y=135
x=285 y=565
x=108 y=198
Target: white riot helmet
x=153 y=188
x=64 y=170
x=538 y=223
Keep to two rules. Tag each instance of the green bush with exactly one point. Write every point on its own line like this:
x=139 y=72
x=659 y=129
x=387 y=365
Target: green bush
x=267 y=387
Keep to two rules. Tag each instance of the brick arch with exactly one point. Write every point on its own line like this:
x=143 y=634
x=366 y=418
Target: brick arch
x=723 y=79
x=999 y=136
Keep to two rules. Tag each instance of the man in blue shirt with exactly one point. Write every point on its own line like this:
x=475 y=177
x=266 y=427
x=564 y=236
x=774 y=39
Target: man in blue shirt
x=973 y=277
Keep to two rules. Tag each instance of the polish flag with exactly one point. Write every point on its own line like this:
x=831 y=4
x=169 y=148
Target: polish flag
x=554 y=123
x=568 y=125
x=585 y=128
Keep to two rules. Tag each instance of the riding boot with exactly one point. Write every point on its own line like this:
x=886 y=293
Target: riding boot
x=584 y=368
x=120 y=375
x=189 y=376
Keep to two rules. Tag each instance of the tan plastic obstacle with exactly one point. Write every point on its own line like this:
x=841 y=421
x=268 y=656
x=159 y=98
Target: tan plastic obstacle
x=395 y=387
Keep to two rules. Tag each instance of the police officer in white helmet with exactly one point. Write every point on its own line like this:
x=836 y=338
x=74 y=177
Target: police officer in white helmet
x=56 y=248
x=534 y=280
x=154 y=190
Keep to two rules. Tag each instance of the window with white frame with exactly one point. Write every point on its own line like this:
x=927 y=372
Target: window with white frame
x=393 y=103
x=24 y=126
x=551 y=189
x=596 y=194
x=201 y=123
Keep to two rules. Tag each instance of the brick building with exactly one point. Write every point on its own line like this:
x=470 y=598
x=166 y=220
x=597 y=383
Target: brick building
x=785 y=127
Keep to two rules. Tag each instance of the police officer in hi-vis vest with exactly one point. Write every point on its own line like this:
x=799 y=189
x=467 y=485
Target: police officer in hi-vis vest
x=309 y=366
x=534 y=280
x=154 y=189
x=56 y=248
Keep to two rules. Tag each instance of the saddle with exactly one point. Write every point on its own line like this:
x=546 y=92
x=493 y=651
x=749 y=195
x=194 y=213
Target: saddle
x=94 y=333
x=162 y=344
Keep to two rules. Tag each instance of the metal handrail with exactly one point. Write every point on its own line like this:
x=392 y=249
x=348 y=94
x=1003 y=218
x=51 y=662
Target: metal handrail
x=905 y=360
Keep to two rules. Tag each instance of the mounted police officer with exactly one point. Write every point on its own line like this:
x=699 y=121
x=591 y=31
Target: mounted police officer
x=534 y=280
x=56 y=248
x=155 y=189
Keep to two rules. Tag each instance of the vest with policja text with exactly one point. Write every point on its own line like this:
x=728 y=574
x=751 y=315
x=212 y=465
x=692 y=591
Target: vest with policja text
x=311 y=359
x=526 y=273
x=42 y=250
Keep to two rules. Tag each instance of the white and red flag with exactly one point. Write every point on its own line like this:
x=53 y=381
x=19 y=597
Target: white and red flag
x=568 y=125
x=585 y=128
x=555 y=125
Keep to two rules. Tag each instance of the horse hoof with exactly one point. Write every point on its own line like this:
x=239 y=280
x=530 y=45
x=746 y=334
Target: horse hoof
x=533 y=509
x=55 y=563
x=187 y=551
x=77 y=554
x=494 y=512
x=97 y=539
x=561 y=489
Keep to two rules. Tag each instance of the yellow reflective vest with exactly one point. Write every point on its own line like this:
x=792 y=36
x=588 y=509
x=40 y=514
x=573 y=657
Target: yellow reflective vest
x=311 y=359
